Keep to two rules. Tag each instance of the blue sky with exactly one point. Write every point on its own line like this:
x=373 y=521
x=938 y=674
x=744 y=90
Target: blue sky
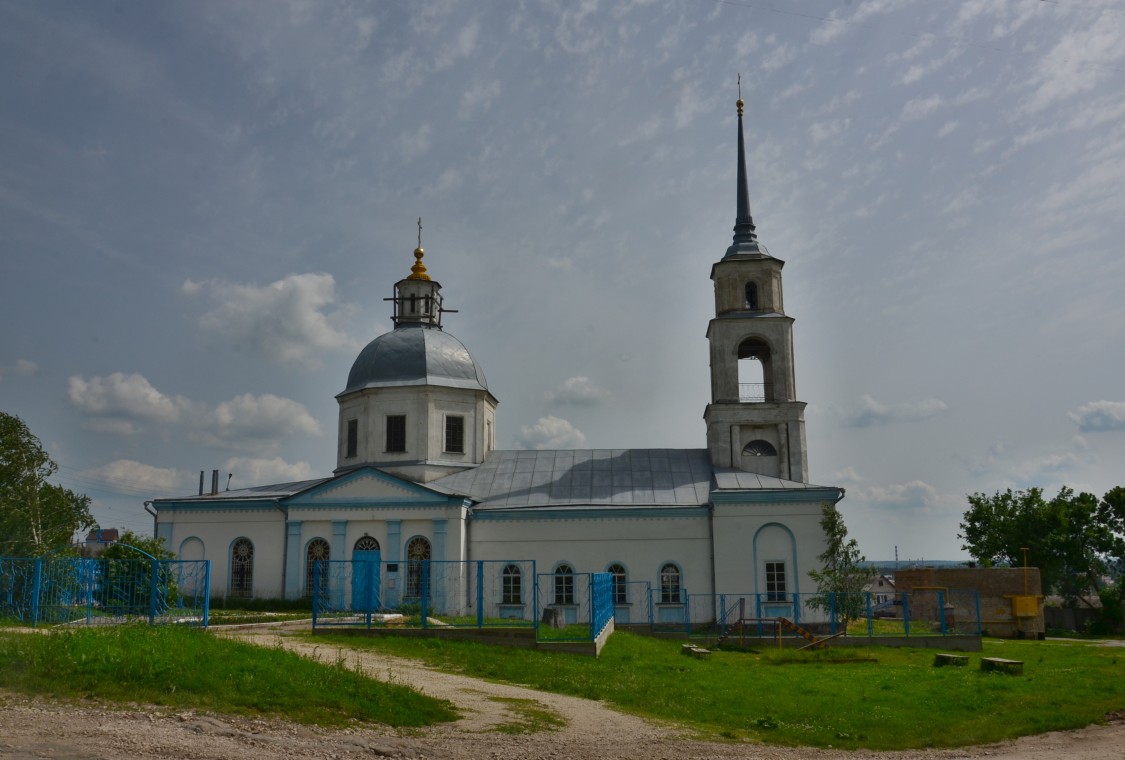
x=204 y=205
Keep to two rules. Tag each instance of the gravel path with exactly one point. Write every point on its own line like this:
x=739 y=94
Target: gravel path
x=40 y=728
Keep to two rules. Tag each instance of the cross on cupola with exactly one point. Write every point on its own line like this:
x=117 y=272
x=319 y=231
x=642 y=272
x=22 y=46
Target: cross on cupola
x=417 y=299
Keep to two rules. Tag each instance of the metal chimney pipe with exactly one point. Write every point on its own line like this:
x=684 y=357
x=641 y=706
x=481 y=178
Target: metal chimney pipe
x=214 y=482
x=201 y=482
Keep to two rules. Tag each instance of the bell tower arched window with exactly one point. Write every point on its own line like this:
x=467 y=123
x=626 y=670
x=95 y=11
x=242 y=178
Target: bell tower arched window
x=751 y=296
x=760 y=448
x=753 y=371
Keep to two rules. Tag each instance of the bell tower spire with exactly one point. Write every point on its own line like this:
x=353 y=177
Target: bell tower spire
x=745 y=235
x=754 y=421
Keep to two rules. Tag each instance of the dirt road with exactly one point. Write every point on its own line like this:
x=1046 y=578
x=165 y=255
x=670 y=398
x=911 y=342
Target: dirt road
x=44 y=729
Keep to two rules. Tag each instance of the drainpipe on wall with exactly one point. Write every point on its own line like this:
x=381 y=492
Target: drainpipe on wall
x=147 y=505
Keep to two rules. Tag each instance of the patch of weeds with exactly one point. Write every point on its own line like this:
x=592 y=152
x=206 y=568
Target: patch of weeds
x=531 y=717
x=767 y=721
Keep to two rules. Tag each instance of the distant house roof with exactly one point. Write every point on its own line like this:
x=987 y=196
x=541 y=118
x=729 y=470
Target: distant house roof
x=103 y=535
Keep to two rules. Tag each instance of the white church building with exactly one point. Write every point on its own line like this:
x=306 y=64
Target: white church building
x=418 y=476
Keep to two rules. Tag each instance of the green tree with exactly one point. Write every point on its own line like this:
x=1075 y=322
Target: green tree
x=843 y=574
x=35 y=516
x=1072 y=539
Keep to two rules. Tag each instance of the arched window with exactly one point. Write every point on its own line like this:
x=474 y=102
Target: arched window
x=417 y=555
x=366 y=544
x=564 y=585
x=754 y=371
x=317 y=551
x=670 y=584
x=760 y=448
x=242 y=568
x=620 y=578
x=751 y=296
x=511 y=582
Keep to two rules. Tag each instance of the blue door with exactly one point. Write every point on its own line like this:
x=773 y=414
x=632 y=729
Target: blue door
x=365 y=580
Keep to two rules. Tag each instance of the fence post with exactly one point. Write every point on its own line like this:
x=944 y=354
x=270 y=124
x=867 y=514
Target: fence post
x=88 y=571
x=832 y=612
x=315 y=591
x=425 y=593
x=980 y=626
x=941 y=606
x=152 y=593
x=722 y=615
x=590 y=603
x=906 y=613
x=36 y=586
x=206 y=592
x=870 y=619
x=480 y=593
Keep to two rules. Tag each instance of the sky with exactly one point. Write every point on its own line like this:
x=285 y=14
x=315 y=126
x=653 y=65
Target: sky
x=204 y=206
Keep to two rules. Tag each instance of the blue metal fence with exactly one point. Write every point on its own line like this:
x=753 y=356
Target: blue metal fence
x=577 y=606
x=922 y=612
x=90 y=591
x=424 y=594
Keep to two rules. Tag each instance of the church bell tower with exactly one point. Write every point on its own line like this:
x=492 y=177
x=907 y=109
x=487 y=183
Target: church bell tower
x=754 y=421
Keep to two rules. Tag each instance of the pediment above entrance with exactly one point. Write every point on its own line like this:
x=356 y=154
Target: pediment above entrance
x=369 y=487
x=364 y=487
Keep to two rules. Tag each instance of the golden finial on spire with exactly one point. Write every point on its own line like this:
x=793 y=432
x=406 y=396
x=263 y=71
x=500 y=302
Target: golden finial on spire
x=740 y=103
x=418 y=271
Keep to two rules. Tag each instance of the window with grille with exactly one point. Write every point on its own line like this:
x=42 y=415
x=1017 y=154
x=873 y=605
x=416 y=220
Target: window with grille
x=455 y=434
x=670 y=584
x=775 y=582
x=511 y=585
x=620 y=589
x=396 y=433
x=417 y=556
x=317 y=552
x=242 y=568
x=564 y=585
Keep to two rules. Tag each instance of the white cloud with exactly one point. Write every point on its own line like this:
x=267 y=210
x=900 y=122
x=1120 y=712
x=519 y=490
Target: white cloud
x=131 y=476
x=550 y=433
x=1081 y=60
x=826 y=130
x=416 y=142
x=253 y=421
x=479 y=96
x=284 y=321
x=1100 y=416
x=248 y=471
x=847 y=476
x=121 y=399
x=577 y=391
x=463 y=45
x=916 y=493
x=871 y=412
x=21 y=367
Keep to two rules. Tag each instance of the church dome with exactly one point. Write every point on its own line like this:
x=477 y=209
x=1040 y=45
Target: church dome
x=414 y=354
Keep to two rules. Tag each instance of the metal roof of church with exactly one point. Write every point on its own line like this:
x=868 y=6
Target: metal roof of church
x=639 y=477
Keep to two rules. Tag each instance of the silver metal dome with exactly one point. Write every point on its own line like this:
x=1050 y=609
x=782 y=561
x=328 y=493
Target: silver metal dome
x=413 y=354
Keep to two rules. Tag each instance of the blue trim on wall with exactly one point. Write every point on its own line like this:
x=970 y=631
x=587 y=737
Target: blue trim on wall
x=394 y=540
x=292 y=559
x=613 y=513
x=818 y=495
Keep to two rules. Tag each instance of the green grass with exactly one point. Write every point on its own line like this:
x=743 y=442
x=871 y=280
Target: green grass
x=529 y=717
x=189 y=668
x=873 y=697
